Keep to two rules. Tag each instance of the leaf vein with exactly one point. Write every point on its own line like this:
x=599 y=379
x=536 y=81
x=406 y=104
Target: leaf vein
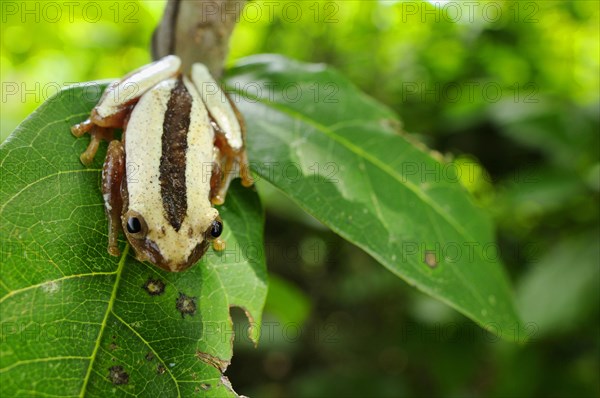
x=147 y=343
x=111 y=302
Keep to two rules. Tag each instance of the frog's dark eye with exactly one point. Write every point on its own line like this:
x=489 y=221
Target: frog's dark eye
x=216 y=229
x=134 y=225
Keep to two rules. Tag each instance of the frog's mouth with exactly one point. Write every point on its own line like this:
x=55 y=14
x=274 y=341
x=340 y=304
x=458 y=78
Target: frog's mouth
x=147 y=250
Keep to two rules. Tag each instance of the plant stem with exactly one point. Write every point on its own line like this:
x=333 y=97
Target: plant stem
x=197 y=31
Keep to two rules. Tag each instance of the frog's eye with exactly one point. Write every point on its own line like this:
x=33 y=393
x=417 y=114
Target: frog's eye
x=216 y=229
x=136 y=225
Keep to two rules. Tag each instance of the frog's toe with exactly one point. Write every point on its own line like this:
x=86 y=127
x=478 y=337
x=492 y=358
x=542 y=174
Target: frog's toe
x=218 y=199
x=80 y=129
x=114 y=251
x=88 y=156
x=219 y=244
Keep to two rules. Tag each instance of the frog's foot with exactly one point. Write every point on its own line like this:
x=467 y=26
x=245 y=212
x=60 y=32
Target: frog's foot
x=80 y=129
x=97 y=134
x=219 y=244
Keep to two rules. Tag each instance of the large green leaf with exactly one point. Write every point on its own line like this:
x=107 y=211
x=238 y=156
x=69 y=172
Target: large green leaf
x=571 y=264
x=76 y=321
x=342 y=157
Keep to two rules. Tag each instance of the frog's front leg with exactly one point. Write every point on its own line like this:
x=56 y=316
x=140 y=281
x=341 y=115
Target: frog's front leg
x=97 y=134
x=113 y=173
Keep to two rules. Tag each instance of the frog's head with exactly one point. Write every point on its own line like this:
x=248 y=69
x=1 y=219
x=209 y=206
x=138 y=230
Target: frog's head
x=172 y=248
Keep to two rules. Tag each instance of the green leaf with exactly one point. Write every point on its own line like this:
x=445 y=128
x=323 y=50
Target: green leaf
x=76 y=321
x=286 y=302
x=540 y=190
x=571 y=265
x=342 y=157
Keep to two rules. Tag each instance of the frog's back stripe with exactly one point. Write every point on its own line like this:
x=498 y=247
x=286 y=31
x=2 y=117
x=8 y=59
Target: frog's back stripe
x=218 y=105
x=173 y=188
x=135 y=84
x=145 y=148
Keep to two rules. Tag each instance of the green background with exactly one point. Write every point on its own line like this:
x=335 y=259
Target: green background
x=508 y=87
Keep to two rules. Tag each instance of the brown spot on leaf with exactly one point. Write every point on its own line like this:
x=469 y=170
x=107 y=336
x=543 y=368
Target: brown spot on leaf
x=118 y=375
x=205 y=386
x=160 y=369
x=113 y=346
x=218 y=363
x=154 y=287
x=186 y=305
x=430 y=259
x=149 y=356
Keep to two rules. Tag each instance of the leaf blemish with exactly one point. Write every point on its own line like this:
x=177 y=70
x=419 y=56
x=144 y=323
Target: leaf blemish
x=51 y=287
x=160 y=369
x=212 y=360
x=149 y=356
x=118 y=375
x=185 y=305
x=205 y=386
x=430 y=259
x=154 y=287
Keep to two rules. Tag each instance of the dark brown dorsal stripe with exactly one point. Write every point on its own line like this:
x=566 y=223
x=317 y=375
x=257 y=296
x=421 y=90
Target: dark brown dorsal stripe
x=174 y=148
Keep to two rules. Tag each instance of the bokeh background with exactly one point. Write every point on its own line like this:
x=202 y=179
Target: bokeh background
x=510 y=86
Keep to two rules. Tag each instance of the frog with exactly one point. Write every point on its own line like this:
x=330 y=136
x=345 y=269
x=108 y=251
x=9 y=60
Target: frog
x=182 y=143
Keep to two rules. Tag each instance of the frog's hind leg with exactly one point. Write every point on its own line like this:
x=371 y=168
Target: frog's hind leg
x=228 y=165
x=114 y=107
x=241 y=155
x=221 y=177
x=230 y=132
x=113 y=173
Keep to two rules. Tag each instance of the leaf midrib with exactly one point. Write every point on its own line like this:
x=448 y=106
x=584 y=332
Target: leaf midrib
x=109 y=307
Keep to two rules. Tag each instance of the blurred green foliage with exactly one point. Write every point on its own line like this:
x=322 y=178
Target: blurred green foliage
x=510 y=87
